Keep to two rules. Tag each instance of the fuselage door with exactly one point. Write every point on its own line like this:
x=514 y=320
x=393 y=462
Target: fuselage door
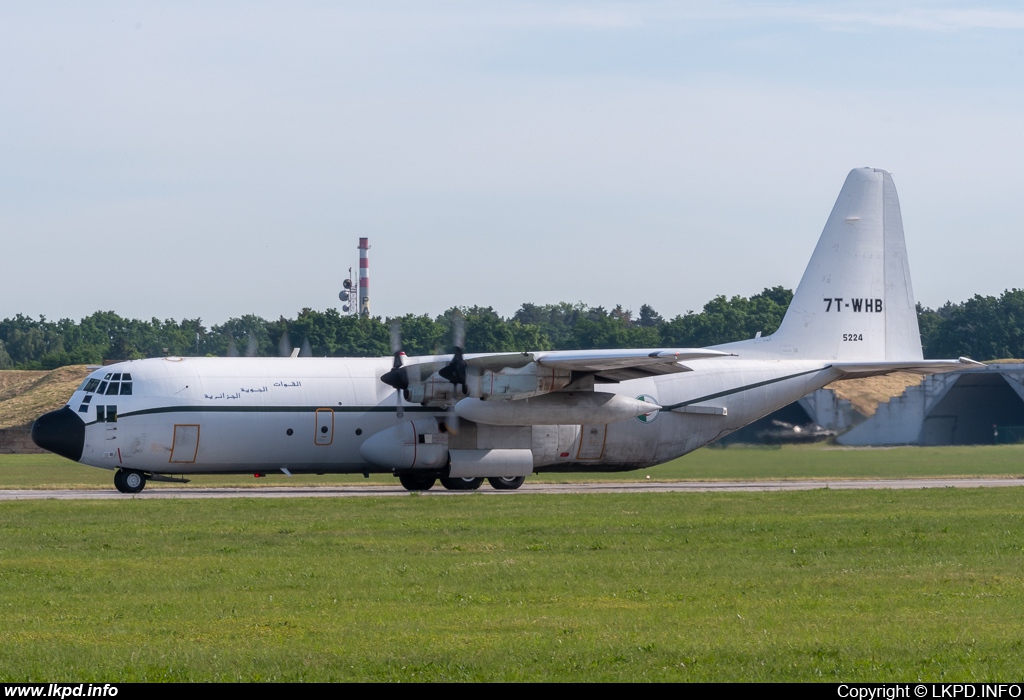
x=186 y=444
x=592 y=439
x=324 y=426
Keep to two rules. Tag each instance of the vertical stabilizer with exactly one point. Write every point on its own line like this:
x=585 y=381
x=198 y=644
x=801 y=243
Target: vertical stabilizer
x=855 y=301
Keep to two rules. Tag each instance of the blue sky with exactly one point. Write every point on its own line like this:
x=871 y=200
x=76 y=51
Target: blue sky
x=183 y=160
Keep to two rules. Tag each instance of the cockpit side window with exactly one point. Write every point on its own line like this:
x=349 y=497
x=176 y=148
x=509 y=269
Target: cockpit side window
x=90 y=385
x=103 y=388
x=112 y=388
x=106 y=414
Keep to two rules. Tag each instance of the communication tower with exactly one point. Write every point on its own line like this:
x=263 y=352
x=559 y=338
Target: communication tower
x=364 y=277
x=357 y=300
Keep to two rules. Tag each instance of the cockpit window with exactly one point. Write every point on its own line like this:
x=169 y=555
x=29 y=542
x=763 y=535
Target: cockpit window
x=112 y=388
x=126 y=378
x=126 y=388
x=103 y=387
x=116 y=377
x=107 y=376
x=90 y=385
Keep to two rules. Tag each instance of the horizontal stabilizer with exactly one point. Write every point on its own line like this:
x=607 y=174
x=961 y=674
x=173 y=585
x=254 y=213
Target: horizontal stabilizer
x=856 y=370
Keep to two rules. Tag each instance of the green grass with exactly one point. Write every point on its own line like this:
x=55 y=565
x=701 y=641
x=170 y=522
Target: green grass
x=817 y=585
x=803 y=461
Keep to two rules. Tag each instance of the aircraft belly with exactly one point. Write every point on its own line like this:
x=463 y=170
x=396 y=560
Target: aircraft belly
x=724 y=396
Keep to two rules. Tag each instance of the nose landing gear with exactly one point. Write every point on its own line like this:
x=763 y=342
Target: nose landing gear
x=127 y=481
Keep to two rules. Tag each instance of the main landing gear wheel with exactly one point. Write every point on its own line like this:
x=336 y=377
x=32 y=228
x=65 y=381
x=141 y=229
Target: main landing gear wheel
x=461 y=484
x=129 y=481
x=417 y=482
x=506 y=483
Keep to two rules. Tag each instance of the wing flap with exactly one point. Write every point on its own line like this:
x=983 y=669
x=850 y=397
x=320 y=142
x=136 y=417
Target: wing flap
x=618 y=365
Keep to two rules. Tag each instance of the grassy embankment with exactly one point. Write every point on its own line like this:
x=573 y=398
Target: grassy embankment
x=819 y=585
x=26 y=395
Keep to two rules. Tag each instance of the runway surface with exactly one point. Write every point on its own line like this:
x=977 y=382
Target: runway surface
x=528 y=488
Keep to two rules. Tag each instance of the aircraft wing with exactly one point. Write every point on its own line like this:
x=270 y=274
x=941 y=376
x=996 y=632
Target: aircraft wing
x=857 y=370
x=484 y=374
x=621 y=365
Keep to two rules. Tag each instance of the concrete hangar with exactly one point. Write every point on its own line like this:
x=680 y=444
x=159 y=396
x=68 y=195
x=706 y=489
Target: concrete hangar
x=979 y=406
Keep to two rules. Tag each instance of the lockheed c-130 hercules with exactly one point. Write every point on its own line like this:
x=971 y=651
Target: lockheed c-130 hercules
x=462 y=418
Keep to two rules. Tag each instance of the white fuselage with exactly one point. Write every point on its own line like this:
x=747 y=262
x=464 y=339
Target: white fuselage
x=311 y=415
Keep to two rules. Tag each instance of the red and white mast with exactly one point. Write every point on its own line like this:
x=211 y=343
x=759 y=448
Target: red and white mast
x=364 y=276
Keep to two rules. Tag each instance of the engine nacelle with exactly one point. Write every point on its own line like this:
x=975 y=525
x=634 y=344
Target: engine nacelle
x=509 y=383
x=434 y=391
x=517 y=382
x=417 y=444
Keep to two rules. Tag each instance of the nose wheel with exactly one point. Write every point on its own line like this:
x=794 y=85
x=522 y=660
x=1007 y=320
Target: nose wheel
x=129 y=481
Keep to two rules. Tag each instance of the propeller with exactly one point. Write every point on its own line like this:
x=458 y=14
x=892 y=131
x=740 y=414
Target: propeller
x=284 y=346
x=455 y=371
x=402 y=375
x=398 y=377
x=251 y=347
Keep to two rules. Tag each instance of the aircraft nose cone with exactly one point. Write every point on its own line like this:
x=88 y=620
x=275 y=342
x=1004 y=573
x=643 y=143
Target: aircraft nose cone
x=61 y=432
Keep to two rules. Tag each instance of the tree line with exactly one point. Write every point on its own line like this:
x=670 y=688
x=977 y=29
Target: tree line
x=983 y=328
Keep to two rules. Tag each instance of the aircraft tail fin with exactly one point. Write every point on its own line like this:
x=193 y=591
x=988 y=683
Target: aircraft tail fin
x=855 y=301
